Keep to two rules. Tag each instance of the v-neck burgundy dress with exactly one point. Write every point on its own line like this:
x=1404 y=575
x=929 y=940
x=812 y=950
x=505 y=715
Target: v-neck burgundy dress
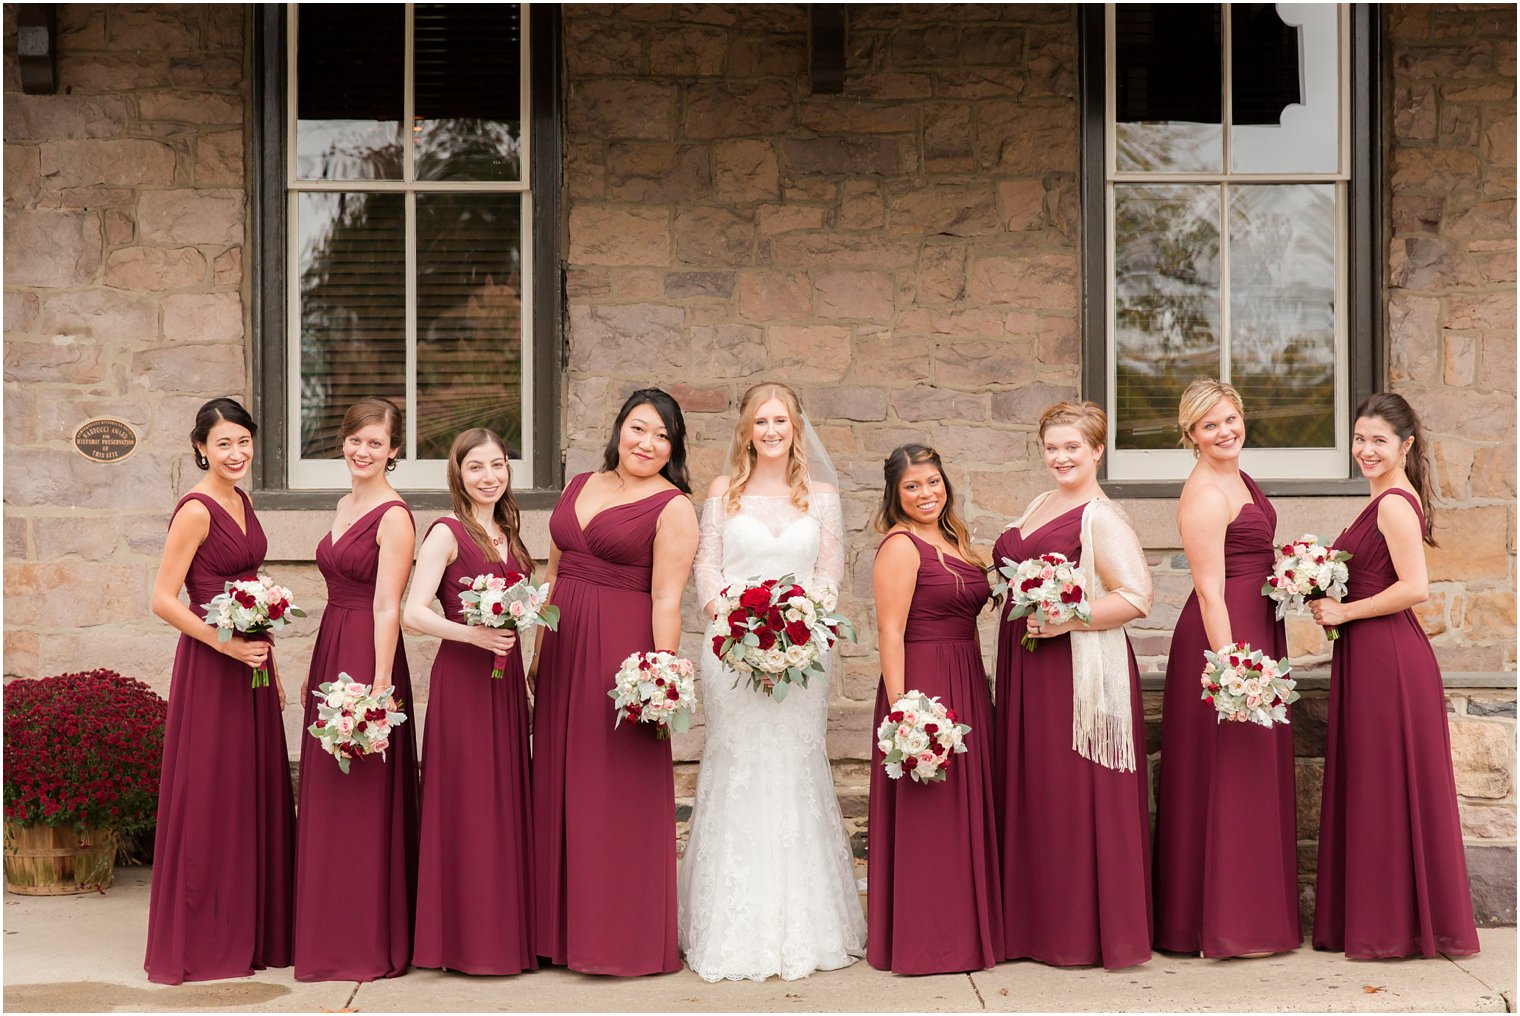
x=1075 y=835
x=603 y=798
x=357 y=831
x=1226 y=874
x=933 y=891
x=474 y=879
x=1392 y=874
x=225 y=845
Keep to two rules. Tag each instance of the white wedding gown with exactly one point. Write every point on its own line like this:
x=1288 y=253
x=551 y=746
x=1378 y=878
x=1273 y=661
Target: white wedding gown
x=767 y=884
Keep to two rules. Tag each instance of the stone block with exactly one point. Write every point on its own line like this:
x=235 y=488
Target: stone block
x=710 y=285
x=760 y=56
x=1486 y=821
x=22 y=174
x=1493 y=472
x=155 y=269
x=617 y=339
x=1474 y=544
x=50 y=248
x=946 y=210
x=787 y=218
x=941 y=275
x=688 y=50
x=197 y=108
x=94 y=73
x=23 y=656
x=927 y=404
x=845 y=250
x=1479 y=219
x=727 y=351
x=864 y=296
x=1432 y=613
x=86 y=538
x=935 y=44
x=1422 y=263
x=203 y=317
x=885 y=357
x=1498 y=144
x=1491 y=615
x=1006 y=492
x=1035 y=282
x=1482 y=758
x=827 y=115
x=1024 y=405
x=841 y=156
x=746 y=171
x=714 y=237
x=1311 y=714
x=1416 y=213
x=816 y=352
x=119 y=227
x=206 y=70
x=219 y=158
x=948 y=138
x=1412 y=331
x=1477 y=415
x=191 y=368
x=64 y=359
x=1433 y=170
x=55 y=117
x=1459 y=359
x=155 y=27
x=110 y=317
x=1020 y=137
x=20 y=309
x=1491 y=872
x=861 y=206
x=1481 y=310
x=657 y=171
x=850 y=730
x=972 y=363
x=227 y=270
x=212 y=217
x=767 y=295
x=619 y=235
x=1453 y=463
x=615 y=109
x=736 y=109
x=1491 y=705
x=1414 y=112
x=847 y=402
x=75 y=594
x=1309 y=786
x=980 y=444
x=879 y=442
x=604 y=46
x=699 y=398
x=1458 y=126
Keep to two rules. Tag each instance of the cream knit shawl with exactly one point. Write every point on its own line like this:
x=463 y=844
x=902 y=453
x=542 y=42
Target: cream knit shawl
x=1112 y=561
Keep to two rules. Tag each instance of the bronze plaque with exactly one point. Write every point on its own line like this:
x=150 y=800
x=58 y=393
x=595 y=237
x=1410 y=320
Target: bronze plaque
x=105 y=440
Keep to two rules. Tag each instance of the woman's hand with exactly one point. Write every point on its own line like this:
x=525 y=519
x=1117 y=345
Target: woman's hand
x=249 y=652
x=1329 y=613
x=1046 y=630
x=496 y=641
x=383 y=686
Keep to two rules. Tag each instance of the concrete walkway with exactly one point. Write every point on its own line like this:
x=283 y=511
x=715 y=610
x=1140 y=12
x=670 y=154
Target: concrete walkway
x=84 y=953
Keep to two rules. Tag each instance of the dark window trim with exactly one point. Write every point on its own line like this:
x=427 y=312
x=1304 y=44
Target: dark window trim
x=1366 y=355
x=267 y=247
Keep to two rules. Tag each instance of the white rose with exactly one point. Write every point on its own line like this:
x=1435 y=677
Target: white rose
x=829 y=600
x=775 y=661
x=798 y=656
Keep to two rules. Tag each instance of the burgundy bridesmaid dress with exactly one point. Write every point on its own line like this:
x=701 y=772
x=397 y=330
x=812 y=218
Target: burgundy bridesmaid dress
x=603 y=799
x=1226 y=876
x=474 y=887
x=355 y=834
x=225 y=845
x=933 y=890
x=1392 y=874
x=1075 y=836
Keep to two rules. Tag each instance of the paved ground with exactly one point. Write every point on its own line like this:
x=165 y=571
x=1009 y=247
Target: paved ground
x=84 y=953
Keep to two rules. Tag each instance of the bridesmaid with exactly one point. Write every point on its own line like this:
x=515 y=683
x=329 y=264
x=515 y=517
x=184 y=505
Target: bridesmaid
x=365 y=821
x=225 y=844
x=474 y=890
x=1226 y=876
x=933 y=886
x=1070 y=769
x=1392 y=875
x=622 y=543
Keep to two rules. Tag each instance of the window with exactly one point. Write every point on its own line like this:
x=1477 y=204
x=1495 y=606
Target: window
x=1225 y=236
x=403 y=189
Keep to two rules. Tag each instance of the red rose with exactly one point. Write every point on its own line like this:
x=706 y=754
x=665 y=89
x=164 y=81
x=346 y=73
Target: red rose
x=497 y=608
x=1051 y=558
x=774 y=619
x=276 y=610
x=895 y=716
x=931 y=729
x=362 y=726
x=767 y=638
x=736 y=626
x=910 y=762
x=796 y=591
x=799 y=633
x=950 y=715
x=1029 y=584
x=674 y=694
x=717 y=644
x=513 y=578
x=768 y=584
x=1072 y=596
x=755 y=599
x=643 y=661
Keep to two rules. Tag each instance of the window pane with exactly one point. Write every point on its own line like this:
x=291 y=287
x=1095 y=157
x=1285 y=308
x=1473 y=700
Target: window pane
x=468 y=92
x=469 y=318
x=1282 y=312
x=353 y=308
x=1168 y=96
x=349 y=91
x=1166 y=305
x=1285 y=88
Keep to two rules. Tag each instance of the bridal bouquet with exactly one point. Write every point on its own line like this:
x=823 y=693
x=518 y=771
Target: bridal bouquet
x=658 y=688
x=1307 y=569
x=353 y=720
x=1246 y=684
x=1047 y=586
x=507 y=602
x=918 y=736
x=775 y=632
x=251 y=607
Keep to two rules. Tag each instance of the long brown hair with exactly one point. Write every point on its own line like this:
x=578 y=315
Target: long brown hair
x=741 y=451
x=1400 y=415
x=891 y=513
x=505 y=512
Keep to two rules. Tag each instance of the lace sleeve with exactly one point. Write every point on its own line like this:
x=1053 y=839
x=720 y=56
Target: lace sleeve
x=708 y=567
x=830 y=566
x=1121 y=560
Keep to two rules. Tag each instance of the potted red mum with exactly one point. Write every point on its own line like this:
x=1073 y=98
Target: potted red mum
x=82 y=757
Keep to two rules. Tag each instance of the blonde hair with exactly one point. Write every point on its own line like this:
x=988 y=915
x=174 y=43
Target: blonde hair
x=1197 y=399
x=1089 y=420
x=741 y=450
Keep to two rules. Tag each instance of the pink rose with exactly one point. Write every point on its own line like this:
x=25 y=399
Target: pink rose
x=517 y=610
x=380 y=745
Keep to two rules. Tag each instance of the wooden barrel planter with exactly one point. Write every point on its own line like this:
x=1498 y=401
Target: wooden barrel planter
x=55 y=861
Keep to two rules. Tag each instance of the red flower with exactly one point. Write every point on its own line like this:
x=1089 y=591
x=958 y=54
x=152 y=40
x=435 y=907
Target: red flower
x=673 y=693
x=755 y=599
x=931 y=729
x=895 y=716
x=774 y=619
x=497 y=608
x=1029 y=584
x=768 y=584
x=799 y=633
x=910 y=762
x=950 y=714
x=513 y=578
x=717 y=644
x=796 y=591
x=1072 y=595
x=736 y=625
x=767 y=638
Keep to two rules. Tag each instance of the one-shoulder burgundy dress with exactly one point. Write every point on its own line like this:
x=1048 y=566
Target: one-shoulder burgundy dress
x=1075 y=835
x=224 y=850
x=1226 y=869
x=474 y=878
x=603 y=798
x=1392 y=874
x=933 y=891
x=356 y=834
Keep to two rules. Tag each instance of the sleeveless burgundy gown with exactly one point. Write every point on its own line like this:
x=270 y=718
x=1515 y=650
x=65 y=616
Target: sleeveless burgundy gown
x=1075 y=835
x=1226 y=875
x=933 y=889
x=603 y=798
x=474 y=883
x=225 y=844
x=1392 y=874
x=357 y=831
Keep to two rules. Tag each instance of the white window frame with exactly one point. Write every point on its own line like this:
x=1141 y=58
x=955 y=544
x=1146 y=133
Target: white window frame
x=1266 y=463
x=411 y=473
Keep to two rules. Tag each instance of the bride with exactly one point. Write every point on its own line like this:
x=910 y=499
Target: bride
x=767 y=885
